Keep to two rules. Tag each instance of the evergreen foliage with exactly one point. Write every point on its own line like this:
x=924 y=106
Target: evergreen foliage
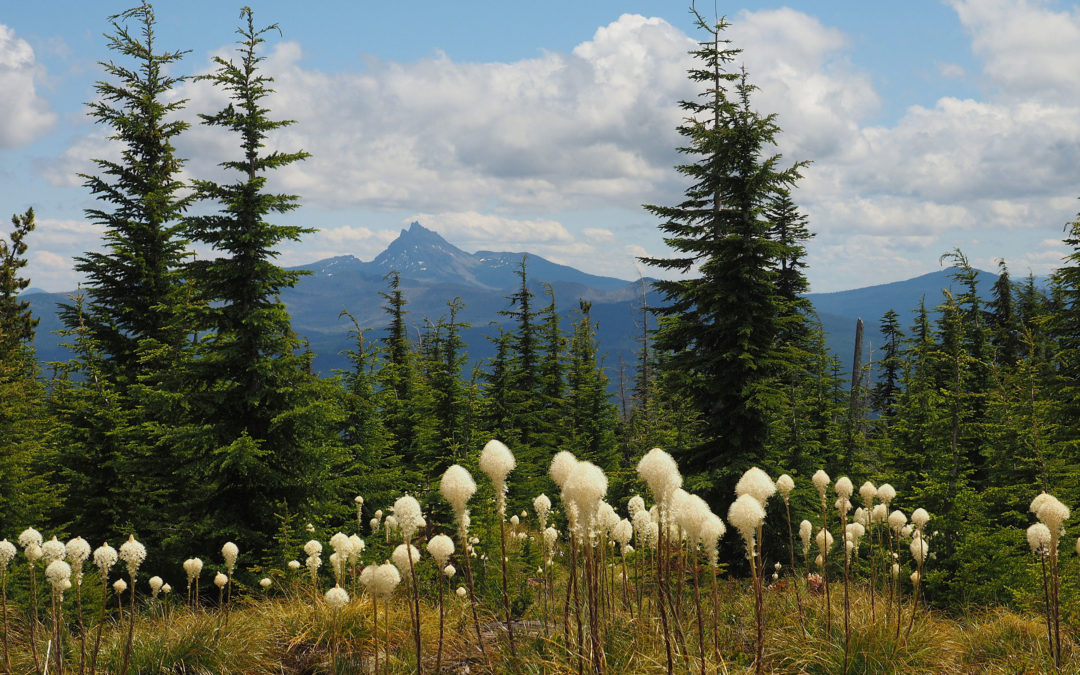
x=720 y=327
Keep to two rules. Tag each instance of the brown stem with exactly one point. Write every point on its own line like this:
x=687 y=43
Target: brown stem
x=375 y=615
x=131 y=628
x=794 y=574
x=34 y=618
x=438 y=657
x=847 y=575
x=700 y=621
x=660 y=592
x=82 y=628
x=825 y=567
x=101 y=622
x=464 y=536
x=416 y=607
x=506 y=593
x=3 y=598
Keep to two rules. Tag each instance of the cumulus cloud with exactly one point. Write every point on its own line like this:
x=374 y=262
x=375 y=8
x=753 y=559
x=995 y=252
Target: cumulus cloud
x=24 y=115
x=490 y=230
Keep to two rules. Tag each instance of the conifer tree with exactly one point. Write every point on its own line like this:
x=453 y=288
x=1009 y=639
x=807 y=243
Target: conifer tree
x=1004 y=328
x=887 y=387
x=131 y=286
x=28 y=488
x=255 y=393
x=590 y=415
x=720 y=327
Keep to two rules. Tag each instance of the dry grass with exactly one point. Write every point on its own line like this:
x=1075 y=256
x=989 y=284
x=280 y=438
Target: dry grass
x=285 y=635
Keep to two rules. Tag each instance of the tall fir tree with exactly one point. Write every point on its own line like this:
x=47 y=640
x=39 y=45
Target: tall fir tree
x=252 y=384
x=720 y=327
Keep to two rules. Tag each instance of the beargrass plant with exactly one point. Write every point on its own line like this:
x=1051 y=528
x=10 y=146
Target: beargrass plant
x=336 y=598
x=661 y=473
x=77 y=551
x=193 y=569
x=7 y=554
x=497 y=462
x=30 y=540
x=1052 y=513
x=844 y=490
x=746 y=515
x=585 y=489
x=229 y=552
x=58 y=574
x=457 y=487
x=441 y=547
x=132 y=553
x=784 y=485
x=105 y=557
x=821 y=481
x=897 y=522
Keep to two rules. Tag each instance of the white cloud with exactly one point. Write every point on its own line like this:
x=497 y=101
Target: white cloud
x=471 y=228
x=1027 y=48
x=599 y=235
x=24 y=116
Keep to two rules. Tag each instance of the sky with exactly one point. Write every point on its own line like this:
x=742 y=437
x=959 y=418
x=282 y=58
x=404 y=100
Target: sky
x=543 y=127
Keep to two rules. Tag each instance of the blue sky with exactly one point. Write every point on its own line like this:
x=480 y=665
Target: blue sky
x=543 y=126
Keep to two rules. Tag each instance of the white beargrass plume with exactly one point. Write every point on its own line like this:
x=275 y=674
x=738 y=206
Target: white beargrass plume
x=52 y=550
x=359 y=501
x=885 y=494
x=220 y=580
x=561 y=465
x=855 y=533
x=919 y=550
x=861 y=517
x=634 y=506
x=155 y=586
x=401 y=560
x=1052 y=513
x=390 y=524
x=784 y=485
x=409 y=517
x=622 y=534
x=660 y=472
x=757 y=484
x=746 y=515
x=1038 y=538
x=497 y=462
x=337 y=597
x=374 y=524
x=119 y=586
x=542 y=506
x=294 y=565
x=265 y=583
x=824 y=540
x=30 y=537
x=441 y=547
x=897 y=520
x=806 y=532
x=919 y=518
x=229 y=551
x=868 y=493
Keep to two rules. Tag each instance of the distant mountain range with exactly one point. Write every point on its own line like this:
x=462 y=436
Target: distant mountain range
x=434 y=272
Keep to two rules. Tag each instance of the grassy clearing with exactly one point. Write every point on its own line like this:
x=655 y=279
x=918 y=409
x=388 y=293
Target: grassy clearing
x=285 y=634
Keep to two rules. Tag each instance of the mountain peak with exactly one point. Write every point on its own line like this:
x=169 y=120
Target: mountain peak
x=422 y=253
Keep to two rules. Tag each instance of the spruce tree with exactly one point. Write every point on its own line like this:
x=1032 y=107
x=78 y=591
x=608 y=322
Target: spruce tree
x=1005 y=333
x=720 y=326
